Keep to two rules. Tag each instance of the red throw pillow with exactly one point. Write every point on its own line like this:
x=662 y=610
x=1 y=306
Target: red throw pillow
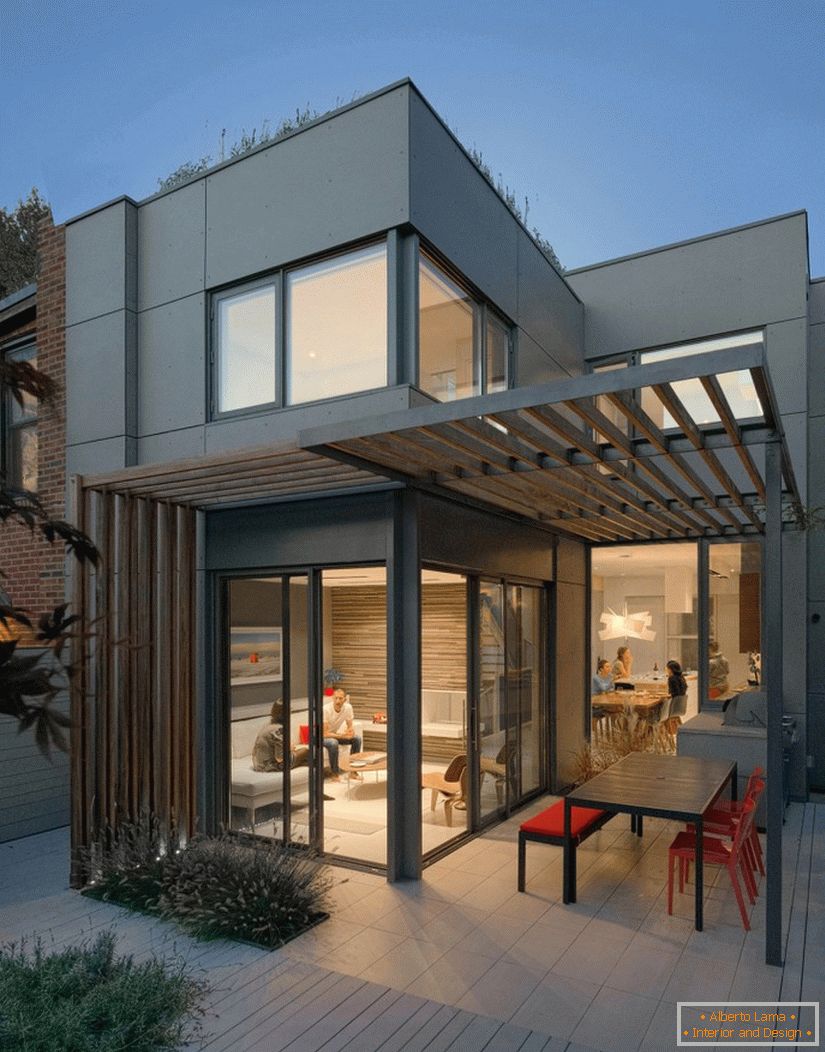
x=303 y=733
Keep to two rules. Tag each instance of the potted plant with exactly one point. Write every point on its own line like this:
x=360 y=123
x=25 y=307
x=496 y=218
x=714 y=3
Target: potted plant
x=332 y=677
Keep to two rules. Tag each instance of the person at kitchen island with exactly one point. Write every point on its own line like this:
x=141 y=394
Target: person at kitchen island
x=339 y=729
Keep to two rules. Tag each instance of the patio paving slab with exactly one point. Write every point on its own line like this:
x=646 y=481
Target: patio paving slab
x=461 y=960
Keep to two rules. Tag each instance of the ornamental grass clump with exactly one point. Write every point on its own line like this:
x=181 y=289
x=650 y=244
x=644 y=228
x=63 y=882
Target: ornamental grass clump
x=127 y=865
x=228 y=888
x=87 y=998
x=213 y=887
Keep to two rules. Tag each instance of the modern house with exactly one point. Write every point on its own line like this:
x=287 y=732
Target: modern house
x=330 y=406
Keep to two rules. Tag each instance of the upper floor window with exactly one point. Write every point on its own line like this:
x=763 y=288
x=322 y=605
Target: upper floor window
x=463 y=346
x=20 y=430
x=336 y=327
x=246 y=348
x=738 y=387
x=330 y=319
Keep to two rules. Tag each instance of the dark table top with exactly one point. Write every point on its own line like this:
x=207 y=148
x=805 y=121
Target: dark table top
x=669 y=786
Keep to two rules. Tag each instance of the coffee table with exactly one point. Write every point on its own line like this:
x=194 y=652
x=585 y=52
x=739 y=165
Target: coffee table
x=365 y=761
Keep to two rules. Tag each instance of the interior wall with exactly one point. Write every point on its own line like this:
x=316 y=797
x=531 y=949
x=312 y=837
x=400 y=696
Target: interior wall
x=359 y=645
x=358 y=641
x=444 y=636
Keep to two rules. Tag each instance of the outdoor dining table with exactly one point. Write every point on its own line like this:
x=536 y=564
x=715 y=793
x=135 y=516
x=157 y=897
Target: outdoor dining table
x=680 y=788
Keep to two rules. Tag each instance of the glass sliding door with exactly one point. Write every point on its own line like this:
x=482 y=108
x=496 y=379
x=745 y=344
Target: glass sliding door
x=493 y=742
x=261 y=693
x=524 y=648
x=354 y=702
x=445 y=781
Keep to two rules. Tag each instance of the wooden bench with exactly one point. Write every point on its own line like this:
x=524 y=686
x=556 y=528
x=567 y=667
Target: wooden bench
x=548 y=828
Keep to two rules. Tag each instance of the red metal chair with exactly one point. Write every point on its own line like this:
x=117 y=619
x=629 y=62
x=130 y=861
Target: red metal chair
x=722 y=821
x=716 y=852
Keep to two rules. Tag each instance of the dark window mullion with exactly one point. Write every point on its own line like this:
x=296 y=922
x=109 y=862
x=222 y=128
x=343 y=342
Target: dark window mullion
x=279 y=350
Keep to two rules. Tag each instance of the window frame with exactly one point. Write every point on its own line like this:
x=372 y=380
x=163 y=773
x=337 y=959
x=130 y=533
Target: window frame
x=217 y=298
x=483 y=310
x=24 y=349
x=277 y=277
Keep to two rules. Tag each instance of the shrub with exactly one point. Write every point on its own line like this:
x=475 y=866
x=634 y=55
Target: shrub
x=596 y=756
x=226 y=887
x=214 y=887
x=86 y=998
x=128 y=866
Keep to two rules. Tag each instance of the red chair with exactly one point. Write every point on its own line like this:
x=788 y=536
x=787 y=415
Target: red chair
x=723 y=821
x=716 y=852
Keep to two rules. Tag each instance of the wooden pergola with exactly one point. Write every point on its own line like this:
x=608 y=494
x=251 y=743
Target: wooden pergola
x=582 y=457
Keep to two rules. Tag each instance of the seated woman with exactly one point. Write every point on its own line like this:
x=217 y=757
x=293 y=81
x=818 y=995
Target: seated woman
x=623 y=665
x=603 y=679
x=268 y=750
x=676 y=689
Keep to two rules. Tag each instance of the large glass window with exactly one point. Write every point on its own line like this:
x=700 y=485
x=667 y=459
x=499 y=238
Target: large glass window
x=337 y=326
x=447 y=365
x=644 y=614
x=330 y=318
x=20 y=437
x=738 y=387
x=245 y=334
x=734 y=625
x=464 y=348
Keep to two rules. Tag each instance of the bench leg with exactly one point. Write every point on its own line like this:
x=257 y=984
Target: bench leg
x=639 y=826
x=632 y=823
x=522 y=851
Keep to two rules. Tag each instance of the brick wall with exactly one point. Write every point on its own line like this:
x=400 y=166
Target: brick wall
x=34 y=569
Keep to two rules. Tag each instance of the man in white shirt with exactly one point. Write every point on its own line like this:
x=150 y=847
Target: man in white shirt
x=339 y=730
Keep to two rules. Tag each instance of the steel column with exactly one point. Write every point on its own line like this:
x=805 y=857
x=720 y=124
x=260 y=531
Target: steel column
x=772 y=657
x=404 y=691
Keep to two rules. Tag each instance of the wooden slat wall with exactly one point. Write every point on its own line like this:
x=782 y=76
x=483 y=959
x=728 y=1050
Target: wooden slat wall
x=444 y=636
x=133 y=699
x=359 y=646
x=359 y=650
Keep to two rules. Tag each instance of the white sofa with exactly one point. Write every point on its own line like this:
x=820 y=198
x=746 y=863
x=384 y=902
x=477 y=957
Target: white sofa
x=251 y=789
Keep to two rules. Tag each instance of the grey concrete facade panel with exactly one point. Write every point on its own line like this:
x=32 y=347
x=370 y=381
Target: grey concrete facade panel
x=795 y=426
x=468 y=538
x=533 y=365
x=547 y=310
x=172 y=246
x=92 y=458
x=171 y=445
x=816 y=464
x=794 y=612
x=816 y=369
x=816 y=648
x=816 y=302
x=96 y=264
x=786 y=345
x=816 y=561
x=454 y=207
x=299 y=534
x=285 y=424
x=99 y=378
x=172 y=365
x=341 y=180
x=739 y=280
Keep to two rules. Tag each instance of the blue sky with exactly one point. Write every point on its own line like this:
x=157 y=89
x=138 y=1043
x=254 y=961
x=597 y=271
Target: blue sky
x=627 y=124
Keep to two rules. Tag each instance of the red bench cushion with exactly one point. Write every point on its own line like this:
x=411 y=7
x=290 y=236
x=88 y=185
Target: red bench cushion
x=550 y=822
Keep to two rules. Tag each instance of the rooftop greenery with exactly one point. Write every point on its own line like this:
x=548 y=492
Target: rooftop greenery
x=270 y=132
